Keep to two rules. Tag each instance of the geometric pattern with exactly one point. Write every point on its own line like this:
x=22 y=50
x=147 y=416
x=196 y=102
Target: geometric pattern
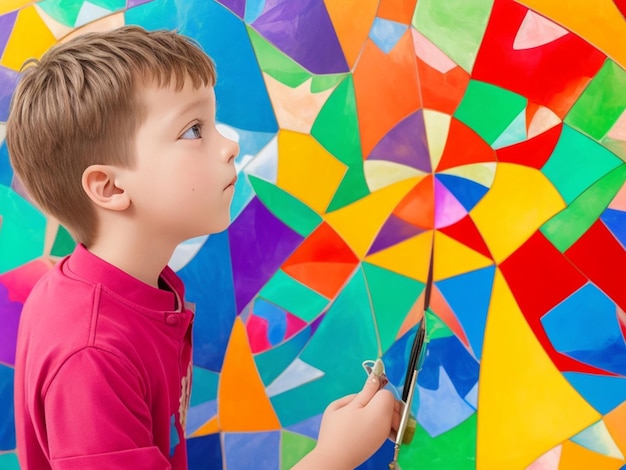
x=493 y=132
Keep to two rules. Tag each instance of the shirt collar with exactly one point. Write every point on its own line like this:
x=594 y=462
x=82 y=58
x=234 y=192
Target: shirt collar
x=95 y=270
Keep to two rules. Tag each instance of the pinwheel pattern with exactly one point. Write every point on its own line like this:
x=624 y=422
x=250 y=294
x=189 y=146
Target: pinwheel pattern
x=492 y=131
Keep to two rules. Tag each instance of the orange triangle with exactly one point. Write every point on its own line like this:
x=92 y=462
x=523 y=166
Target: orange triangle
x=418 y=206
x=531 y=110
x=575 y=456
x=242 y=402
x=210 y=427
x=400 y=11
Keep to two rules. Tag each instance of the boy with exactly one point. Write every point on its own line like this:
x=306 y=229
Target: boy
x=114 y=135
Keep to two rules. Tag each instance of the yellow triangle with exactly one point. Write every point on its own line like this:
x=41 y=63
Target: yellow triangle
x=409 y=258
x=242 y=402
x=307 y=171
x=520 y=200
x=359 y=223
x=526 y=407
x=30 y=38
x=453 y=258
x=7 y=6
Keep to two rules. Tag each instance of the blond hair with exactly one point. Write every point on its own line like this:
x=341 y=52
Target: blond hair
x=79 y=106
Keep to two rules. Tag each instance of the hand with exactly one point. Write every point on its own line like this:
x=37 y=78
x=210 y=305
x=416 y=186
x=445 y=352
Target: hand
x=353 y=428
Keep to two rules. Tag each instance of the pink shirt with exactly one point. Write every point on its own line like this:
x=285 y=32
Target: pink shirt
x=102 y=370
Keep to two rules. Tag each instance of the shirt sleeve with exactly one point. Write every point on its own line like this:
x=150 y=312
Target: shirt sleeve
x=97 y=415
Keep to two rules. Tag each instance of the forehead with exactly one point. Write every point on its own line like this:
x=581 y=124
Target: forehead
x=176 y=100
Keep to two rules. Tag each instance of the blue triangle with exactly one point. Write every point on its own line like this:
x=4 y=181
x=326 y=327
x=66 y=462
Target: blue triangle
x=615 y=221
x=386 y=33
x=466 y=191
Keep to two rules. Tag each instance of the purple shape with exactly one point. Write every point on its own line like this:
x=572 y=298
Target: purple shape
x=238 y=7
x=448 y=210
x=405 y=144
x=252 y=449
x=6 y=27
x=309 y=427
x=394 y=231
x=304 y=31
x=8 y=82
x=9 y=320
x=260 y=243
x=134 y=3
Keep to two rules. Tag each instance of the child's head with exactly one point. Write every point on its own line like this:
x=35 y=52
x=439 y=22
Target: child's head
x=79 y=106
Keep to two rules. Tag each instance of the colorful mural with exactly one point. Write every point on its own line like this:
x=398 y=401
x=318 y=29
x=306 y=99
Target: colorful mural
x=493 y=131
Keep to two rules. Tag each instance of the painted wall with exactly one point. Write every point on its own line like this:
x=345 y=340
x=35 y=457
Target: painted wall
x=371 y=131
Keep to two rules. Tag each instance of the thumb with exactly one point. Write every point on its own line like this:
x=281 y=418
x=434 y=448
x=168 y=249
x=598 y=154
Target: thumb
x=372 y=385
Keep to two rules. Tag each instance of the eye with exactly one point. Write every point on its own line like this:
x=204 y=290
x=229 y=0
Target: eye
x=194 y=132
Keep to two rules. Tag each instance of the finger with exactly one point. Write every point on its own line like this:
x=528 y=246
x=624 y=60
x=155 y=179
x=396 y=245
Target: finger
x=341 y=402
x=368 y=391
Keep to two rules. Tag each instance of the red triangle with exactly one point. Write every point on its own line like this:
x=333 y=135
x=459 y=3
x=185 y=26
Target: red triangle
x=466 y=232
x=463 y=147
x=322 y=262
x=533 y=153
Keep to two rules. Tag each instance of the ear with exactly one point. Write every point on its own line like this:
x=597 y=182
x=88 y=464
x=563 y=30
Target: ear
x=100 y=185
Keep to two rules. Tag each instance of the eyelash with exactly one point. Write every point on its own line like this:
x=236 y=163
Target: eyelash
x=197 y=134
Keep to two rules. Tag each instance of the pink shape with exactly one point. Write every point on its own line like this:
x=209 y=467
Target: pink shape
x=448 y=209
x=294 y=325
x=431 y=54
x=256 y=327
x=536 y=31
x=20 y=281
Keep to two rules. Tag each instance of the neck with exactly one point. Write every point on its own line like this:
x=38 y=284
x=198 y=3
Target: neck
x=142 y=259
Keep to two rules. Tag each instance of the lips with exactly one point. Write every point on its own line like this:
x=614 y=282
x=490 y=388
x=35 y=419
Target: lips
x=232 y=182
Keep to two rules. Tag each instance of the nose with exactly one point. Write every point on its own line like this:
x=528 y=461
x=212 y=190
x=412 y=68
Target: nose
x=229 y=148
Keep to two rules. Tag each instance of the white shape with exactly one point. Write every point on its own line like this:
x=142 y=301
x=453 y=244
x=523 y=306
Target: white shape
x=543 y=119
x=297 y=373
x=90 y=12
x=597 y=438
x=382 y=173
x=265 y=164
x=437 y=126
x=548 y=461
x=185 y=252
x=514 y=133
x=536 y=31
x=431 y=54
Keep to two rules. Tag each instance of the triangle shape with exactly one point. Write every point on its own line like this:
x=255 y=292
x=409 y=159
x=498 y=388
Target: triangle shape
x=598 y=439
x=466 y=232
x=514 y=376
x=448 y=210
x=394 y=231
x=536 y=31
x=296 y=374
x=243 y=404
x=405 y=144
x=514 y=133
x=90 y=12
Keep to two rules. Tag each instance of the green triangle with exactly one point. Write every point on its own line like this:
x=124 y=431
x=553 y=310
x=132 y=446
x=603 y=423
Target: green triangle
x=455 y=449
x=435 y=327
x=276 y=63
x=491 y=121
x=293 y=296
x=565 y=228
x=204 y=386
x=455 y=26
x=293 y=448
x=576 y=163
x=63 y=243
x=291 y=211
x=601 y=104
x=392 y=295
x=63 y=11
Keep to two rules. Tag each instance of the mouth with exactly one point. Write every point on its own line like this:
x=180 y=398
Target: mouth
x=232 y=182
